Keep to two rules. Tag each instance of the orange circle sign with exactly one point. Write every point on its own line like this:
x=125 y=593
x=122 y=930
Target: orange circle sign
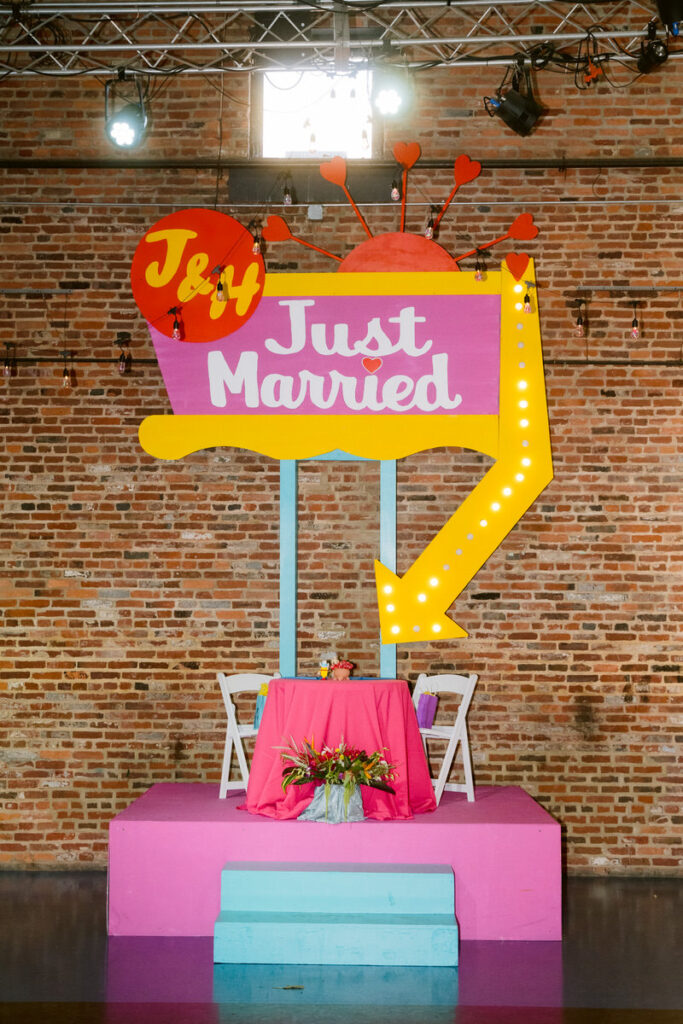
x=196 y=270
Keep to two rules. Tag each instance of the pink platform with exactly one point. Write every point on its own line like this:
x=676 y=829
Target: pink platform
x=167 y=849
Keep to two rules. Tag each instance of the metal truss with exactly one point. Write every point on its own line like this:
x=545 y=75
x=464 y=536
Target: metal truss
x=164 y=38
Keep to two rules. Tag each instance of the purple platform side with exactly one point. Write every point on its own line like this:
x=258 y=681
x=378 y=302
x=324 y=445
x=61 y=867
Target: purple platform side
x=167 y=849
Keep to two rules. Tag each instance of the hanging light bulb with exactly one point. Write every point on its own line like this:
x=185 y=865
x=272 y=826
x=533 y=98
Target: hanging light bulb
x=479 y=268
x=580 y=329
x=429 y=228
x=256 y=246
x=177 y=332
x=7 y=369
x=287 y=196
x=220 y=291
x=527 y=303
x=395 y=191
x=124 y=361
x=66 y=375
x=635 y=329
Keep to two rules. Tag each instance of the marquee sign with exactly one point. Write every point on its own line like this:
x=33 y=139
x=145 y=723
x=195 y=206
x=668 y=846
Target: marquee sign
x=374 y=362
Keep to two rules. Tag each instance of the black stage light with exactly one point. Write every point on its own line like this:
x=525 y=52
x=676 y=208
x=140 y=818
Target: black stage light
x=653 y=51
x=518 y=110
x=670 y=14
x=125 y=121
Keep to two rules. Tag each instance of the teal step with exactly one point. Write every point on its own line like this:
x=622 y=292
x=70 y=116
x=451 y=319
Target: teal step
x=369 y=914
x=399 y=940
x=338 y=888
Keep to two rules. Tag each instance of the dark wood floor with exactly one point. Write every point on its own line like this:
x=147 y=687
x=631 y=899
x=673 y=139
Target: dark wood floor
x=621 y=962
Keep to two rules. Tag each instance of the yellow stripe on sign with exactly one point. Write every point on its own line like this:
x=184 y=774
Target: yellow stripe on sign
x=302 y=437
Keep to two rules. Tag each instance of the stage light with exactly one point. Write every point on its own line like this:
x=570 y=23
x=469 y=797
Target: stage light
x=670 y=14
x=392 y=91
x=653 y=52
x=515 y=105
x=125 y=122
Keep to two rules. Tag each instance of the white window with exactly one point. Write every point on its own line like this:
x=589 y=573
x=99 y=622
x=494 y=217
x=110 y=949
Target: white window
x=311 y=114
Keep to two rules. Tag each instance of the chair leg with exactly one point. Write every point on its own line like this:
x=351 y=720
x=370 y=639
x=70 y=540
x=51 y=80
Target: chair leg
x=242 y=761
x=467 y=765
x=225 y=770
x=445 y=767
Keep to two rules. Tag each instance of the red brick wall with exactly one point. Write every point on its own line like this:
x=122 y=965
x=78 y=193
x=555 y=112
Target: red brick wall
x=128 y=582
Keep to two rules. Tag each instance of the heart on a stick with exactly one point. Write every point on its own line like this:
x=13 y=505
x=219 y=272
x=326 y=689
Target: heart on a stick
x=372 y=365
x=517 y=262
x=335 y=171
x=523 y=228
x=275 y=229
x=407 y=154
x=465 y=170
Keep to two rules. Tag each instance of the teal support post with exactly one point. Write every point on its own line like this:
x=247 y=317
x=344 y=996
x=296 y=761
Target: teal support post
x=288 y=566
x=288 y=555
x=387 y=549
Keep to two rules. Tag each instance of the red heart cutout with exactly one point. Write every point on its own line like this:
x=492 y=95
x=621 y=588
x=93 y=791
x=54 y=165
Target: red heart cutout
x=465 y=170
x=523 y=229
x=276 y=229
x=517 y=262
x=372 y=365
x=334 y=170
x=407 y=153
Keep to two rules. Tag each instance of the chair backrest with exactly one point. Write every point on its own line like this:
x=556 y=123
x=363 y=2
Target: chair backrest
x=463 y=685
x=245 y=682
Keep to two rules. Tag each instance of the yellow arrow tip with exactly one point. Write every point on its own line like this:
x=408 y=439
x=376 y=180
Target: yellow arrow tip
x=404 y=618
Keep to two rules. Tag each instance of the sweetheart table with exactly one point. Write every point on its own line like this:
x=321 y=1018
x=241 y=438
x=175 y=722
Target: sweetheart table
x=371 y=714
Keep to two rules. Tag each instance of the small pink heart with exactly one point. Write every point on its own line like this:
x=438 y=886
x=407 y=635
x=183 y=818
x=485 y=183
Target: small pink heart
x=523 y=229
x=465 y=170
x=334 y=170
x=372 y=365
x=275 y=229
x=517 y=262
x=407 y=153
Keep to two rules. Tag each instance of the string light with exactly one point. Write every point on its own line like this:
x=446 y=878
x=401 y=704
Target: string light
x=125 y=362
x=287 y=196
x=177 y=333
x=395 y=191
x=7 y=369
x=635 y=329
x=580 y=329
x=479 y=267
x=66 y=375
x=527 y=297
x=430 y=227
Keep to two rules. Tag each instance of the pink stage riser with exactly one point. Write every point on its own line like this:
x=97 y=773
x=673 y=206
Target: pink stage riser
x=167 y=849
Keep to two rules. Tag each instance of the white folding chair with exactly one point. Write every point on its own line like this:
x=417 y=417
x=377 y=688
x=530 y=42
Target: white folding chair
x=247 y=682
x=455 y=734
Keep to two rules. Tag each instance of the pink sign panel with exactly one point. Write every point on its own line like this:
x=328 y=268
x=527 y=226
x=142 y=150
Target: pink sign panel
x=344 y=355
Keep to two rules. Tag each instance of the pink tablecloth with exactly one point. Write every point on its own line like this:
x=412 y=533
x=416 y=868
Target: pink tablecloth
x=370 y=714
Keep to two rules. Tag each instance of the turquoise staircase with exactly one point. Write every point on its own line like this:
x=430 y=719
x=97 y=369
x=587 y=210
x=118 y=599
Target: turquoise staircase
x=372 y=914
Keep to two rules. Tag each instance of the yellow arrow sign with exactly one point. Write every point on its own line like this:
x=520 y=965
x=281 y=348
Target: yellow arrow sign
x=413 y=607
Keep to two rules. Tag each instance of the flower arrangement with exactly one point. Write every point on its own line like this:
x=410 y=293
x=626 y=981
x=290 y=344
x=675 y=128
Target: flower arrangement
x=336 y=766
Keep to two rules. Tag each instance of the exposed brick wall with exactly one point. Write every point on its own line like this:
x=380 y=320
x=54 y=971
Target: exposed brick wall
x=128 y=582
